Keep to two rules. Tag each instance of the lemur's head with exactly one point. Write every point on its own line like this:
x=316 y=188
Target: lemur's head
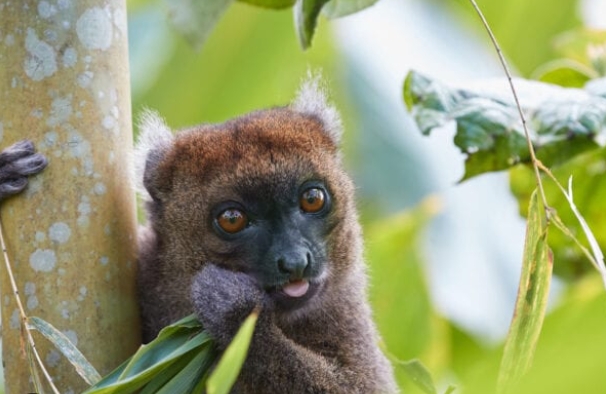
x=263 y=194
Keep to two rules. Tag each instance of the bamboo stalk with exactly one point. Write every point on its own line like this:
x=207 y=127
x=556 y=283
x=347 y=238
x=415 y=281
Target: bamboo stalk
x=64 y=84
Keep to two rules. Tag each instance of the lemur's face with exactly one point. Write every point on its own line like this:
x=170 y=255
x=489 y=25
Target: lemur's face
x=266 y=195
x=278 y=236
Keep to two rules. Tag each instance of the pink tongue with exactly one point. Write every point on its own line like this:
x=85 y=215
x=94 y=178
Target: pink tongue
x=296 y=289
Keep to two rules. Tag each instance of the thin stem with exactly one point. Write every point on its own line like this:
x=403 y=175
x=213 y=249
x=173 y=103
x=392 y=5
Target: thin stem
x=24 y=319
x=597 y=259
x=533 y=157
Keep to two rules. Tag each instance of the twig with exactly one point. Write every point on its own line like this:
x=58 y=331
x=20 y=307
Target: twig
x=597 y=259
x=24 y=319
x=533 y=157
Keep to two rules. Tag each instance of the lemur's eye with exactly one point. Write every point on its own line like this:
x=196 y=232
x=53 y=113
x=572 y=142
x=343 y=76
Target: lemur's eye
x=312 y=200
x=232 y=220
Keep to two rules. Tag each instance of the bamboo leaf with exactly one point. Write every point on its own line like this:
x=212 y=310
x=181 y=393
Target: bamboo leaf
x=593 y=243
x=162 y=378
x=450 y=390
x=195 y=19
x=596 y=256
x=306 y=14
x=162 y=353
x=223 y=378
x=33 y=369
x=189 y=376
x=588 y=171
x=163 y=360
x=339 y=8
x=272 y=4
x=531 y=302
x=419 y=375
x=67 y=348
x=200 y=387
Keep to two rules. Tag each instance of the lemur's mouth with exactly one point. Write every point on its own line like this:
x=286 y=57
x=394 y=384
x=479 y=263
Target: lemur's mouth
x=296 y=293
x=296 y=289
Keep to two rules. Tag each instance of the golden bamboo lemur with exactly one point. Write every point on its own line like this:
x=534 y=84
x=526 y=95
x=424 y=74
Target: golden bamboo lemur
x=258 y=212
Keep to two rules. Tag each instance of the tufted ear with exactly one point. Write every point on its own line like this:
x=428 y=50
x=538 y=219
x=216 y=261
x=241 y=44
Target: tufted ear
x=311 y=100
x=154 y=141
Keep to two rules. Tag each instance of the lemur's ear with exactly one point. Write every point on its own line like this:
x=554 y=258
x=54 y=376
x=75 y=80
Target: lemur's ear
x=154 y=141
x=311 y=100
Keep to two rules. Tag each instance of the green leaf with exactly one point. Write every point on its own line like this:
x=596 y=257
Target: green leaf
x=531 y=302
x=164 y=362
x=195 y=19
x=161 y=379
x=584 y=117
x=490 y=136
x=189 y=376
x=562 y=122
x=450 y=390
x=589 y=173
x=306 y=14
x=224 y=376
x=430 y=102
x=273 y=4
x=165 y=351
x=419 y=375
x=564 y=72
x=339 y=8
x=67 y=348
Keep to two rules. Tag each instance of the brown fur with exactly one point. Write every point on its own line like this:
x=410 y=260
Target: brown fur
x=328 y=346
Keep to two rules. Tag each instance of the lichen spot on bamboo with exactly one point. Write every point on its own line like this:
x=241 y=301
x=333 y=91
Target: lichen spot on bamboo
x=43 y=260
x=41 y=61
x=94 y=28
x=59 y=232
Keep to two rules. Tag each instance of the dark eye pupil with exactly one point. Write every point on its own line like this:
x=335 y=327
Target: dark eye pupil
x=232 y=216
